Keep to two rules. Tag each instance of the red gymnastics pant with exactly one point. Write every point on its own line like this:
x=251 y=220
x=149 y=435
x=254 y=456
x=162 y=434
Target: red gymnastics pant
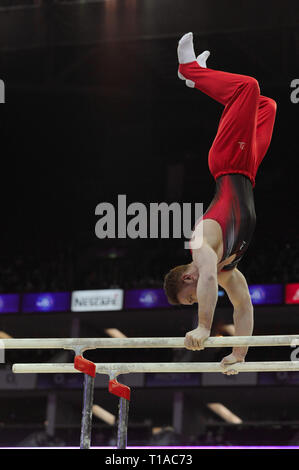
x=246 y=125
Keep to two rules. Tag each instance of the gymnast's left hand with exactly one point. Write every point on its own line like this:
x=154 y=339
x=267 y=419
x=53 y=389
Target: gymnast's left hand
x=195 y=339
x=232 y=358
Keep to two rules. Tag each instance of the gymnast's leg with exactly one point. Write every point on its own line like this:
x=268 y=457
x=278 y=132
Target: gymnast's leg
x=234 y=147
x=264 y=128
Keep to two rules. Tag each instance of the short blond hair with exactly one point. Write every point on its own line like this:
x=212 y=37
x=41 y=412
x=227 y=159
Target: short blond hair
x=173 y=283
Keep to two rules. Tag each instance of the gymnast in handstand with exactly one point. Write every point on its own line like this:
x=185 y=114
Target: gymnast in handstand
x=242 y=140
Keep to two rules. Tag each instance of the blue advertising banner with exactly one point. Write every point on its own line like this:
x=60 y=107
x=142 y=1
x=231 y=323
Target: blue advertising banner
x=278 y=378
x=67 y=381
x=262 y=294
x=46 y=302
x=59 y=381
x=146 y=298
x=152 y=298
x=172 y=380
x=9 y=303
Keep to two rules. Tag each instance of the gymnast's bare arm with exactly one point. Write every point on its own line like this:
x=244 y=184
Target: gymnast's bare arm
x=237 y=290
x=205 y=260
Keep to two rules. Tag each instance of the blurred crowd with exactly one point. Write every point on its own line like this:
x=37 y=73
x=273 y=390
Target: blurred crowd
x=218 y=434
x=88 y=267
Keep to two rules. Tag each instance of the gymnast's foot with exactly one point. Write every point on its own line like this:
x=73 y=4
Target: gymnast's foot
x=186 y=54
x=202 y=59
x=185 y=49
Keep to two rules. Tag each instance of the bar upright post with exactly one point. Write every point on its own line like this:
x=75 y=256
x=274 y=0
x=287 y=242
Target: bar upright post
x=123 y=417
x=89 y=369
x=124 y=394
x=86 y=422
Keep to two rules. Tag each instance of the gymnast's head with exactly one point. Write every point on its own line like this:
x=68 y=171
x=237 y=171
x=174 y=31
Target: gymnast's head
x=180 y=284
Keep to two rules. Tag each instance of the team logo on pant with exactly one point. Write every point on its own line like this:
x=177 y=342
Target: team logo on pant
x=242 y=145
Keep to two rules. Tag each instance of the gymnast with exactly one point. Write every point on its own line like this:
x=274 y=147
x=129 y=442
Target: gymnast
x=242 y=140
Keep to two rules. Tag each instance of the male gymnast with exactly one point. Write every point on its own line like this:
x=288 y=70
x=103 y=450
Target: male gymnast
x=242 y=140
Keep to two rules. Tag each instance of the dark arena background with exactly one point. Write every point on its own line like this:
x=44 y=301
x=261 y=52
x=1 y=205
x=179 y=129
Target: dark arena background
x=93 y=110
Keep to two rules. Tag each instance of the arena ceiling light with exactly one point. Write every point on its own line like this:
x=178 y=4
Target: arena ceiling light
x=4 y=335
x=103 y=414
x=224 y=413
x=114 y=333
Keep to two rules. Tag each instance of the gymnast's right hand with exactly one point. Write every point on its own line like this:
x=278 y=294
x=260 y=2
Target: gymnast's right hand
x=195 y=339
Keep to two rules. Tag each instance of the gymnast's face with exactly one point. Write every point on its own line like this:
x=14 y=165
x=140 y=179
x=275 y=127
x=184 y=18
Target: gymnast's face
x=187 y=294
